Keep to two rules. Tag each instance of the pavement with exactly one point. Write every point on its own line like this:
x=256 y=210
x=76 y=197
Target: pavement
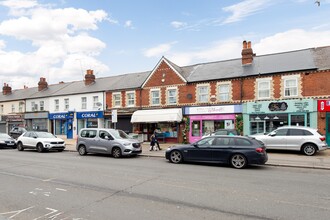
x=321 y=160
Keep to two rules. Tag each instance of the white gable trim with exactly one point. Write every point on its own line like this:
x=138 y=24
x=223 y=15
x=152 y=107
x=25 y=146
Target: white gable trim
x=156 y=67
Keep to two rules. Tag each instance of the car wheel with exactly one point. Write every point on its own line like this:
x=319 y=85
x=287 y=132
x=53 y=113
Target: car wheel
x=116 y=152
x=40 y=148
x=20 y=146
x=309 y=149
x=82 y=150
x=238 y=161
x=176 y=157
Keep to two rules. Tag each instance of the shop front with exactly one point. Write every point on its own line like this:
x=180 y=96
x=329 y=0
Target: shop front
x=323 y=108
x=205 y=120
x=91 y=119
x=164 y=121
x=62 y=123
x=13 y=121
x=262 y=117
x=37 y=121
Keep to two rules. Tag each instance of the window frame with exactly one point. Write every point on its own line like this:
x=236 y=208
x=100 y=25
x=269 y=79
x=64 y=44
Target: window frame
x=175 y=96
x=260 y=90
x=219 y=93
x=42 y=105
x=95 y=101
x=56 y=105
x=66 y=104
x=83 y=102
x=152 y=98
x=207 y=94
x=128 y=100
x=115 y=102
x=295 y=79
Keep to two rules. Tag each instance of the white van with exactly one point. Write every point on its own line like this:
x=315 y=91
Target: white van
x=107 y=141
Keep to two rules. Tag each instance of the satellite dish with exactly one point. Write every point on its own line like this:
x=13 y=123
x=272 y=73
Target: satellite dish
x=99 y=104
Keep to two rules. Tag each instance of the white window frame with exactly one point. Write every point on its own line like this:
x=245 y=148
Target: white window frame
x=12 y=107
x=130 y=98
x=116 y=99
x=293 y=90
x=221 y=94
x=56 y=105
x=172 y=99
x=20 y=107
x=42 y=105
x=83 y=102
x=153 y=99
x=32 y=106
x=66 y=104
x=203 y=97
x=95 y=101
x=262 y=87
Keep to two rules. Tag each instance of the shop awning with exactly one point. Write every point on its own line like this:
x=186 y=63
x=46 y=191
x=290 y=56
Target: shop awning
x=157 y=115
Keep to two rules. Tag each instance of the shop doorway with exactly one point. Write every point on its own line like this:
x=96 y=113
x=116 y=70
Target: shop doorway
x=258 y=127
x=327 y=130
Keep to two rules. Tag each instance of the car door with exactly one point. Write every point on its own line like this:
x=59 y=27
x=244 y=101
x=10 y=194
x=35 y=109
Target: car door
x=104 y=142
x=277 y=139
x=33 y=139
x=221 y=148
x=201 y=150
x=295 y=138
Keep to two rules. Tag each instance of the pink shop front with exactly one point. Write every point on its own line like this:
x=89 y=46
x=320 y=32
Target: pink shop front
x=204 y=120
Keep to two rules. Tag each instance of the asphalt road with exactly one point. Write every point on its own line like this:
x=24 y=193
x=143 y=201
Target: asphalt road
x=68 y=186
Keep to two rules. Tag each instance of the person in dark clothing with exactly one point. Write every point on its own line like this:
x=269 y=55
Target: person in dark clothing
x=153 y=142
x=156 y=141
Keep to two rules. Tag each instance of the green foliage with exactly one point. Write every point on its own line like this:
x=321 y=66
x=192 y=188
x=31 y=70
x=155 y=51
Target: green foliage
x=239 y=124
x=185 y=129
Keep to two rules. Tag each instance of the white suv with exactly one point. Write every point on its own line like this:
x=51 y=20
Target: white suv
x=298 y=138
x=107 y=141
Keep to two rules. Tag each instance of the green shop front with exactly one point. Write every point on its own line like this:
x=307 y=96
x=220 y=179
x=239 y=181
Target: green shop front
x=262 y=117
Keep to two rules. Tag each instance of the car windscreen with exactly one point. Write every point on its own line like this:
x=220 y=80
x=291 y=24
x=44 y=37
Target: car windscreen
x=45 y=135
x=119 y=134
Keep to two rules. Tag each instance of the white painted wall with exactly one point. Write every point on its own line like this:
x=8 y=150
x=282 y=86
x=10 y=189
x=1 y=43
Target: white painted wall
x=7 y=107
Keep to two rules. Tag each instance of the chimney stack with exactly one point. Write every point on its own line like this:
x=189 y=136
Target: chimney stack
x=247 y=53
x=42 y=84
x=6 y=89
x=89 y=77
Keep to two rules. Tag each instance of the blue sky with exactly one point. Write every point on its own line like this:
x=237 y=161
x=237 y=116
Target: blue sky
x=60 y=39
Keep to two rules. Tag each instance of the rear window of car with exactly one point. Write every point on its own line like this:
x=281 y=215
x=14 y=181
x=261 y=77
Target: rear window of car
x=88 y=133
x=299 y=132
x=243 y=142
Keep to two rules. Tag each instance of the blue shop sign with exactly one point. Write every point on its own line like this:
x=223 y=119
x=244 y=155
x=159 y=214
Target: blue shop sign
x=82 y=115
x=60 y=116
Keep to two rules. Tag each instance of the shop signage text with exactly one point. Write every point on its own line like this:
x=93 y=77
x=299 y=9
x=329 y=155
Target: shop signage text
x=278 y=106
x=59 y=116
x=224 y=109
x=82 y=115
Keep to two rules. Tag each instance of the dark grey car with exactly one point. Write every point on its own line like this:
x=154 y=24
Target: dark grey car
x=107 y=141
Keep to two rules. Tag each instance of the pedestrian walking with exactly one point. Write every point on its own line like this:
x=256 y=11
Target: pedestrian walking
x=153 y=142
x=156 y=140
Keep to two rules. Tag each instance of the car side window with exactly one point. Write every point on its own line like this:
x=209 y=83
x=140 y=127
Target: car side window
x=206 y=142
x=103 y=134
x=308 y=133
x=27 y=134
x=243 y=142
x=296 y=132
x=223 y=142
x=88 y=133
x=282 y=132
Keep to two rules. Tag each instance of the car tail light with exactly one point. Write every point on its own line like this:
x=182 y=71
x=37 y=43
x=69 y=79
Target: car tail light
x=260 y=150
x=322 y=138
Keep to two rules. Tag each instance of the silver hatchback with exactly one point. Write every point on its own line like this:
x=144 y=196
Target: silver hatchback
x=107 y=141
x=297 y=138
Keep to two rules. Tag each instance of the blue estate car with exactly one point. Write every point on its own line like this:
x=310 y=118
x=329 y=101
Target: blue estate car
x=237 y=151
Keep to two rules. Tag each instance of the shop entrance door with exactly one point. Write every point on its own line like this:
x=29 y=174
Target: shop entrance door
x=327 y=129
x=258 y=127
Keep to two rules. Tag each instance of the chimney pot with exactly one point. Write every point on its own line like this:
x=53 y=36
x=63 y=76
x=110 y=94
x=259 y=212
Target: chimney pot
x=42 y=84
x=6 y=89
x=247 y=53
x=89 y=77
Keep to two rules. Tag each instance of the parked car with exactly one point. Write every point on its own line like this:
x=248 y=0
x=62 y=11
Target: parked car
x=15 y=132
x=231 y=132
x=107 y=141
x=40 y=140
x=297 y=138
x=7 y=141
x=238 y=151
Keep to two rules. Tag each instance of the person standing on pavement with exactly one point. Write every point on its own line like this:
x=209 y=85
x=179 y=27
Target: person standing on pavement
x=152 y=142
x=156 y=141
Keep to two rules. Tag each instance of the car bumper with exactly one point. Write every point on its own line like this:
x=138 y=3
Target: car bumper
x=323 y=147
x=259 y=160
x=8 y=145
x=54 y=147
x=128 y=152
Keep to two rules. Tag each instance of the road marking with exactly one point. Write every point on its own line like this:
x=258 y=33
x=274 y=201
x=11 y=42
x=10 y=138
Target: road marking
x=59 y=189
x=16 y=212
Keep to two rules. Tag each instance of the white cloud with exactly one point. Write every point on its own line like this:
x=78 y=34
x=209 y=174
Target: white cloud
x=178 y=24
x=158 y=50
x=245 y=9
x=60 y=36
x=231 y=48
x=128 y=24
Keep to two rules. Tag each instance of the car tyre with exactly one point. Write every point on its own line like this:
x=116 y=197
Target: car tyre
x=116 y=152
x=176 y=157
x=309 y=149
x=82 y=150
x=238 y=161
x=40 y=147
x=20 y=146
